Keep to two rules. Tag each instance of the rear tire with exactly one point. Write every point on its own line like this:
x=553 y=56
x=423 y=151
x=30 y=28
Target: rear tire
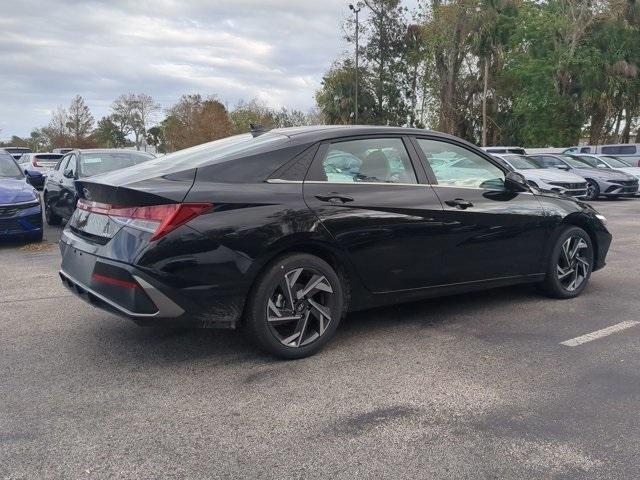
x=50 y=217
x=295 y=306
x=571 y=263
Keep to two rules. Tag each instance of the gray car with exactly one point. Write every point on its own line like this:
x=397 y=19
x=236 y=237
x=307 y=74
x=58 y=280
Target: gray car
x=550 y=179
x=600 y=182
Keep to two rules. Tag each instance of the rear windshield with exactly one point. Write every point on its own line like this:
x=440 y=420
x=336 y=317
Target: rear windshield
x=221 y=150
x=48 y=156
x=8 y=167
x=101 y=162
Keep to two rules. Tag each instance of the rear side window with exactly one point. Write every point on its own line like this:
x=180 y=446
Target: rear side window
x=585 y=150
x=372 y=160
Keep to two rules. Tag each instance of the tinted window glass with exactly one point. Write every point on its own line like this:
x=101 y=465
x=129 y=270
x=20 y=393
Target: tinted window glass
x=576 y=162
x=616 y=162
x=374 y=160
x=520 y=162
x=63 y=164
x=458 y=167
x=547 y=161
x=8 y=167
x=102 y=162
x=620 y=149
x=72 y=165
x=585 y=150
x=46 y=156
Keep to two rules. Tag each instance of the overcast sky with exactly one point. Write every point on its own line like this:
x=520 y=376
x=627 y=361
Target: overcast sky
x=50 y=50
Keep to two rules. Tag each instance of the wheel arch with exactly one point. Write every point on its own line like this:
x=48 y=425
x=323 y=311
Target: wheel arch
x=320 y=249
x=581 y=220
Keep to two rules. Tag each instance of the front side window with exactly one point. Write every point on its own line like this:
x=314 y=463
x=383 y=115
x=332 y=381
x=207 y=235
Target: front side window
x=456 y=166
x=63 y=163
x=373 y=160
x=72 y=165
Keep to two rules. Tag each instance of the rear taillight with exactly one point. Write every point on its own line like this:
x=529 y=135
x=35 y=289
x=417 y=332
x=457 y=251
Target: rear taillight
x=156 y=219
x=34 y=161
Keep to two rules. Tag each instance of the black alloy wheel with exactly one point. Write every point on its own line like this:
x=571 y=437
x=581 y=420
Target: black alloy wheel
x=296 y=306
x=50 y=217
x=571 y=264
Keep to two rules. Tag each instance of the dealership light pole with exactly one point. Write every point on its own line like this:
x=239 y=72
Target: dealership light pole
x=356 y=11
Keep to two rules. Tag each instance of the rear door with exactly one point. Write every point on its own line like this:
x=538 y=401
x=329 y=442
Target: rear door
x=53 y=183
x=368 y=194
x=491 y=232
x=66 y=202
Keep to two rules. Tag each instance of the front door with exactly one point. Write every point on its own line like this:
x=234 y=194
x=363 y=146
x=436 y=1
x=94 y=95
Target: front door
x=491 y=232
x=366 y=193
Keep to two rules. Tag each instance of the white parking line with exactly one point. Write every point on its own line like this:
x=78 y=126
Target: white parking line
x=574 y=342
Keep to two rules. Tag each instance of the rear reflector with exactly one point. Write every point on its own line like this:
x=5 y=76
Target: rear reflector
x=114 y=281
x=156 y=219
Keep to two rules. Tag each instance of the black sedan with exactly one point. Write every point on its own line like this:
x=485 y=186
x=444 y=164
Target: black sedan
x=59 y=193
x=282 y=232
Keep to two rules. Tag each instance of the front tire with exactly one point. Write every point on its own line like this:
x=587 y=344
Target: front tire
x=570 y=265
x=295 y=306
x=50 y=217
x=593 y=190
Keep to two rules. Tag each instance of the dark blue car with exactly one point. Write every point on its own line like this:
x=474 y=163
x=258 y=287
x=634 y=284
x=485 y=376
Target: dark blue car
x=20 y=208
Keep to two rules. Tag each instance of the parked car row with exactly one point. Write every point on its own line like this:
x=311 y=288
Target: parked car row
x=581 y=176
x=20 y=206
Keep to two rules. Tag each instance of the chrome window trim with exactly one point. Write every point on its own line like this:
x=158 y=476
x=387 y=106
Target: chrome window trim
x=281 y=181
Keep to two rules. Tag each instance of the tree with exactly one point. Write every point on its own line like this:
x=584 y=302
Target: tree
x=108 y=134
x=79 y=121
x=133 y=113
x=57 y=131
x=194 y=120
x=383 y=52
x=252 y=112
x=335 y=98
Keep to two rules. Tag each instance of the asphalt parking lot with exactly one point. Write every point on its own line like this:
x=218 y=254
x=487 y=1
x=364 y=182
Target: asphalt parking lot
x=474 y=386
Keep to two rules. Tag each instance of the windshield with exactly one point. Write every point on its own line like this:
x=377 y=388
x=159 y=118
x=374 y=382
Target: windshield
x=615 y=162
x=101 y=162
x=520 y=162
x=8 y=167
x=576 y=163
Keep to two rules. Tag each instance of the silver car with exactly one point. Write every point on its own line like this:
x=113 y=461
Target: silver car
x=546 y=178
x=610 y=161
x=601 y=182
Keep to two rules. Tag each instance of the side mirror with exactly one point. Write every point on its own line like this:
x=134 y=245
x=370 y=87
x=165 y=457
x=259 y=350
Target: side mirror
x=68 y=173
x=515 y=182
x=562 y=167
x=31 y=175
x=601 y=165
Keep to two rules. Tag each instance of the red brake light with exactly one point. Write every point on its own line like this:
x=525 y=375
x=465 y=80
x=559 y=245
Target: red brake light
x=34 y=161
x=156 y=219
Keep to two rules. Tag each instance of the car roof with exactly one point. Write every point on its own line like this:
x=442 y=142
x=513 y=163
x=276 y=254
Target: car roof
x=106 y=150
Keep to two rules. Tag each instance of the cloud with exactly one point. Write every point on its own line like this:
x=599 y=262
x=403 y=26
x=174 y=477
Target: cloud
x=275 y=50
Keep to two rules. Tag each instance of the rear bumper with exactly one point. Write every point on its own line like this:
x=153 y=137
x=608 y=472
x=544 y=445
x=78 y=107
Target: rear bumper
x=131 y=293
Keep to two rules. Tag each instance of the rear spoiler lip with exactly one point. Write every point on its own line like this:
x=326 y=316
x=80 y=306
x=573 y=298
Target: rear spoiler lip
x=172 y=188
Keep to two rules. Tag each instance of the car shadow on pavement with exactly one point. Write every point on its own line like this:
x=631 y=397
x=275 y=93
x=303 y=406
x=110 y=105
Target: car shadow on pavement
x=169 y=346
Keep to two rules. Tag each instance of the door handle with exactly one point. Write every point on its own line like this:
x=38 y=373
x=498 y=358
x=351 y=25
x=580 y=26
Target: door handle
x=460 y=203
x=334 y=198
